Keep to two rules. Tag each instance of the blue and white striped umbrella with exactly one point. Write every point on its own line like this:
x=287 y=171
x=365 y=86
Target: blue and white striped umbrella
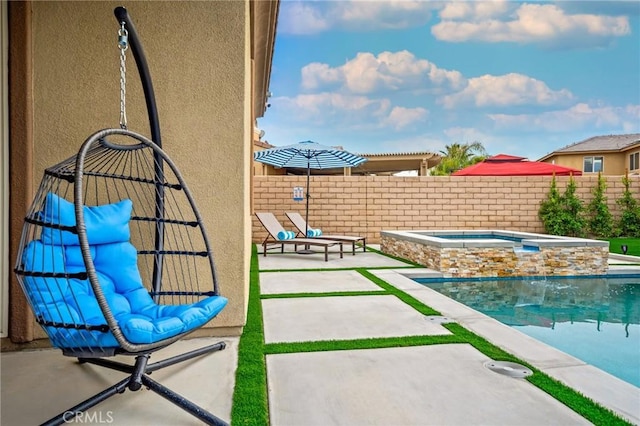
x=308 y=155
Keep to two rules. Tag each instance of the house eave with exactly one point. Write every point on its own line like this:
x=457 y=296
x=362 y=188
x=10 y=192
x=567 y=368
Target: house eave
x=264 y=18
x=592 y=151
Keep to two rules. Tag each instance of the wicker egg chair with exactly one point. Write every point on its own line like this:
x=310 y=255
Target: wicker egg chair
x=114 y=258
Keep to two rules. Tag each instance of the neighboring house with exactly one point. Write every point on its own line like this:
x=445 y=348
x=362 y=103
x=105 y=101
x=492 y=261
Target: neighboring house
x=612 y=155
x=376 y=164
x=210 y=63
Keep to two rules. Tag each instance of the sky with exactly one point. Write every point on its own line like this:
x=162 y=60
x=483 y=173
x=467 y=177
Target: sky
x=522 y=78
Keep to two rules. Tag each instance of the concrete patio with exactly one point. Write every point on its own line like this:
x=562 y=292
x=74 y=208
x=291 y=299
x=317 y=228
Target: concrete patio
x=444 y=384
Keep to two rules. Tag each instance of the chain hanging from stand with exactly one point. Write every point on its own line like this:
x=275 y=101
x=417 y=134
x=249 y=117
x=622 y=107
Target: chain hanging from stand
x=123 y=45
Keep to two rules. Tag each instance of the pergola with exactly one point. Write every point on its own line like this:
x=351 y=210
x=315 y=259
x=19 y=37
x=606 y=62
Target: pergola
x=377 y=164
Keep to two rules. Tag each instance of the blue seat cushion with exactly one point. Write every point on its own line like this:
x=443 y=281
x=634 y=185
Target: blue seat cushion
x=72 y=301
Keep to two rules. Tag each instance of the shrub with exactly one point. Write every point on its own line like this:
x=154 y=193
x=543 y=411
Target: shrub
x=600 y=221
x=629 y=223
x=562 y=214
x=573 y=209
x=550 y=212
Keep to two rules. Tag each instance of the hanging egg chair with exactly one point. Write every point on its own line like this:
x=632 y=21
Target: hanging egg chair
x=114 y=258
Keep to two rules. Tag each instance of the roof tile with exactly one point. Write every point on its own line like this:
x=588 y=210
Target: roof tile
x=602 y=143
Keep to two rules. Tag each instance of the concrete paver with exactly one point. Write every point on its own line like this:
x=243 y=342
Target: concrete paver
x=423 y=385
x=314 y=282
x=341 y=318
x=291 y=260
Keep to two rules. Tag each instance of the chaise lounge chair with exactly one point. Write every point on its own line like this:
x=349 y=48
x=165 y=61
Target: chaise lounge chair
x=302 y=226
x=278 y=235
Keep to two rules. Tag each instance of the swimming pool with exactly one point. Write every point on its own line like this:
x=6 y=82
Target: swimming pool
x=595 y=319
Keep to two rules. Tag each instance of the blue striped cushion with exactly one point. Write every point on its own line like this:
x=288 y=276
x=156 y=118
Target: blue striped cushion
x=314 y=233
x=286 y=235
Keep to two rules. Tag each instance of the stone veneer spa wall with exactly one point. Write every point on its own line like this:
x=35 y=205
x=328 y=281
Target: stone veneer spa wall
x=495 y=253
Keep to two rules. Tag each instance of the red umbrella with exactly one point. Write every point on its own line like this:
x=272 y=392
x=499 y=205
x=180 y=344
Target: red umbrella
x=509 y=165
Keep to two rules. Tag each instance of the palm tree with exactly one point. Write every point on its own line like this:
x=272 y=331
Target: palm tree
x=458 y=156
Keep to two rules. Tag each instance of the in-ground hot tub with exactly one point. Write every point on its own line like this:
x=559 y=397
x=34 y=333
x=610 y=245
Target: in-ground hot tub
x=496 y=253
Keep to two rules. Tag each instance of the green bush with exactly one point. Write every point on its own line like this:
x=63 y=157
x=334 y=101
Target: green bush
x=562 y=214
x=599 y=219
x=550 y=212
x=629 y=223
x=573 y=209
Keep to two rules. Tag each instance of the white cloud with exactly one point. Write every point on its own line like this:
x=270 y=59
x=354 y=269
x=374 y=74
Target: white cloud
x=578 y=117
x=505 y=90
x=322 y=107
x=367 y=73
x=631 y=123
x=401 y=117
x=464 y=134
x=301 y=18
x=349 y=111
x=474 y=10
x=395 y=14
x=545 y=23
x=304 y=17
x=317 y=75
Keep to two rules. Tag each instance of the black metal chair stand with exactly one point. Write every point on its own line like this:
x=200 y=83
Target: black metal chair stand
x=139 y=376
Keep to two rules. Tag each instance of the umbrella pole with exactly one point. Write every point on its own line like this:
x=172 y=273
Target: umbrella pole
x=307 y=250
x=306 y=214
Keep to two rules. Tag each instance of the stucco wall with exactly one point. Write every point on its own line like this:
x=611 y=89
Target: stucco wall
x=355 y=205
x=613 y=163
x=198 y=54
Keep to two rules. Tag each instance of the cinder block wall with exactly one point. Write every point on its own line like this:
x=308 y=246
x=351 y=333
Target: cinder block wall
x=356 y=205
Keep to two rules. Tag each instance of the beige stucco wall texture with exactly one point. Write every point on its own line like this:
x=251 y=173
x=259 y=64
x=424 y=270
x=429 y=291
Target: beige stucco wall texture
x=613 y=163
x=365 y=205
x=199 y=59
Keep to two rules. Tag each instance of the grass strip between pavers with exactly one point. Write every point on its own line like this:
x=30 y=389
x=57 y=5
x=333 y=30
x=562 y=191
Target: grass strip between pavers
x=325 y=294
x=250 y=398
x=336 y=269
x=406 y=298
x=370 y=343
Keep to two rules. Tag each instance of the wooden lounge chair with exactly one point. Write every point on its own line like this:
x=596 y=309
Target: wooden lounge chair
x=274 y=228
x=300 y=224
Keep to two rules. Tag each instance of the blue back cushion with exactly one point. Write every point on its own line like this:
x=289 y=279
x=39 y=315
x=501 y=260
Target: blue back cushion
x=115 y=259
x=107 y=223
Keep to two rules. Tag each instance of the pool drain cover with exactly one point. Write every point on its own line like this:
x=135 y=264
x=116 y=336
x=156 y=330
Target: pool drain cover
x=507 y=368
x=437 y=319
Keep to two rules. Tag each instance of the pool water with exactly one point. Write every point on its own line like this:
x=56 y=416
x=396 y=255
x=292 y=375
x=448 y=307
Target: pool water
x=518 y=246
x=594 y=319
x=481 y=237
